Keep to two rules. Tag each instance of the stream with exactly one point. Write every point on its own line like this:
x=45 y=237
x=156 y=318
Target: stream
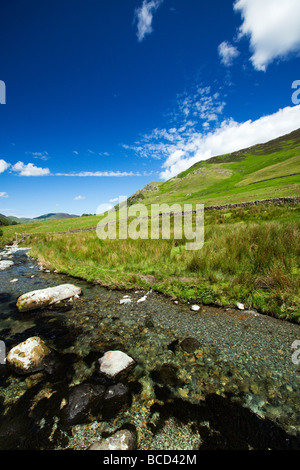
x=214 y=379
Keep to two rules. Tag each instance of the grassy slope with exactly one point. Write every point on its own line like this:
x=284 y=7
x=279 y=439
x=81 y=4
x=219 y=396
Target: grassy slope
x=250 y=255
x=237 y=177
x=59 y=225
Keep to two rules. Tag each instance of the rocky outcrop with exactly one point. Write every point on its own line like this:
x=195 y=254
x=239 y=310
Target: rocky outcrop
x=28 y=357
x=45 y=297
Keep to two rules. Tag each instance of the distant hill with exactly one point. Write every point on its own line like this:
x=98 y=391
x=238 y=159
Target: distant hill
x=55 y=215
x=44 y=217
x=4 y=220
x=263 y=171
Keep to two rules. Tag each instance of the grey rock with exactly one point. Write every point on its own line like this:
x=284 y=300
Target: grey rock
x=190 y=345
x=84 y=401
x=116 y=399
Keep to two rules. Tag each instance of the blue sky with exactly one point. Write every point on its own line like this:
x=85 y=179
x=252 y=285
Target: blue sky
x=104 y=96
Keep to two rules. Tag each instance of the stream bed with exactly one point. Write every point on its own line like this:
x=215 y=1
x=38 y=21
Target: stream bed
x=213 y=379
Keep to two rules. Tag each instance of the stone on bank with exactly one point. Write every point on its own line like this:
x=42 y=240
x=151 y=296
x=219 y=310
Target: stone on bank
x=44 y=297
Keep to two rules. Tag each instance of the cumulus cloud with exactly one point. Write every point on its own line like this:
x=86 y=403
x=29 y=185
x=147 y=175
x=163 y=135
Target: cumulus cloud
x=227 y=53
x=79 y=198
x=273 y=27
x=229 y=137
x=3 y=194
x=144 y=17
x=30 y=169
x=3 y=166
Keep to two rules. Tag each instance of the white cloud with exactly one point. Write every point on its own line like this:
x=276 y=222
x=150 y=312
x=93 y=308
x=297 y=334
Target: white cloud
x=30 y=169
x=273 y=27
x=200 y=130
x=227 y=53
x=201 y=108
x=117 y=174
x=3 y=166
x=201 y=104
x=40 y=155
x=102 y=208
x=79 y=198
x=3 y=194
x=229 y=137
x=114 y=199
x=75 y=151
x=144 y=17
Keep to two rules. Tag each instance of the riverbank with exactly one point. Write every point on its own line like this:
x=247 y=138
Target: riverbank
x=212 y=379
x=250 y=256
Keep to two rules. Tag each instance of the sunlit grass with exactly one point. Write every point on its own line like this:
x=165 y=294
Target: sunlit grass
x=245 y=258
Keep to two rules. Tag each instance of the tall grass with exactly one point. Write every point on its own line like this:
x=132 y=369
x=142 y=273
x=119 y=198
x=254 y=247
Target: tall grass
x=256 y=249
x=256 y=263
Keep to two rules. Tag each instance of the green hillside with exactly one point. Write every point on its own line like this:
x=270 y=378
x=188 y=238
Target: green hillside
x=250 y=254
x=260 y=172
x=45 y=217
x=4 y=221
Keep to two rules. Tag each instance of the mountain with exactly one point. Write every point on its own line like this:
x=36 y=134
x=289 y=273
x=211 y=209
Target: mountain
x=45 y=217
x=262 y=171
x=56 y=215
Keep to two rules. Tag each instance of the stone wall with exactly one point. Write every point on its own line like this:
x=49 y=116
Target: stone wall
x=275 y=201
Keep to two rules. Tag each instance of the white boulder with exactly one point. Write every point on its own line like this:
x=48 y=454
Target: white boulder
x=4 y=264
x=115 y=362
x=28 y=357
x=195 y=308
x=44 y=297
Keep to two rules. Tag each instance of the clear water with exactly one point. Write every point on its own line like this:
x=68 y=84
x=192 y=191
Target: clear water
x=239 y=389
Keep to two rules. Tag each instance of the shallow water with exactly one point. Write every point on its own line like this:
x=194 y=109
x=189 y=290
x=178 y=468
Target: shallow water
x=239 y=388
